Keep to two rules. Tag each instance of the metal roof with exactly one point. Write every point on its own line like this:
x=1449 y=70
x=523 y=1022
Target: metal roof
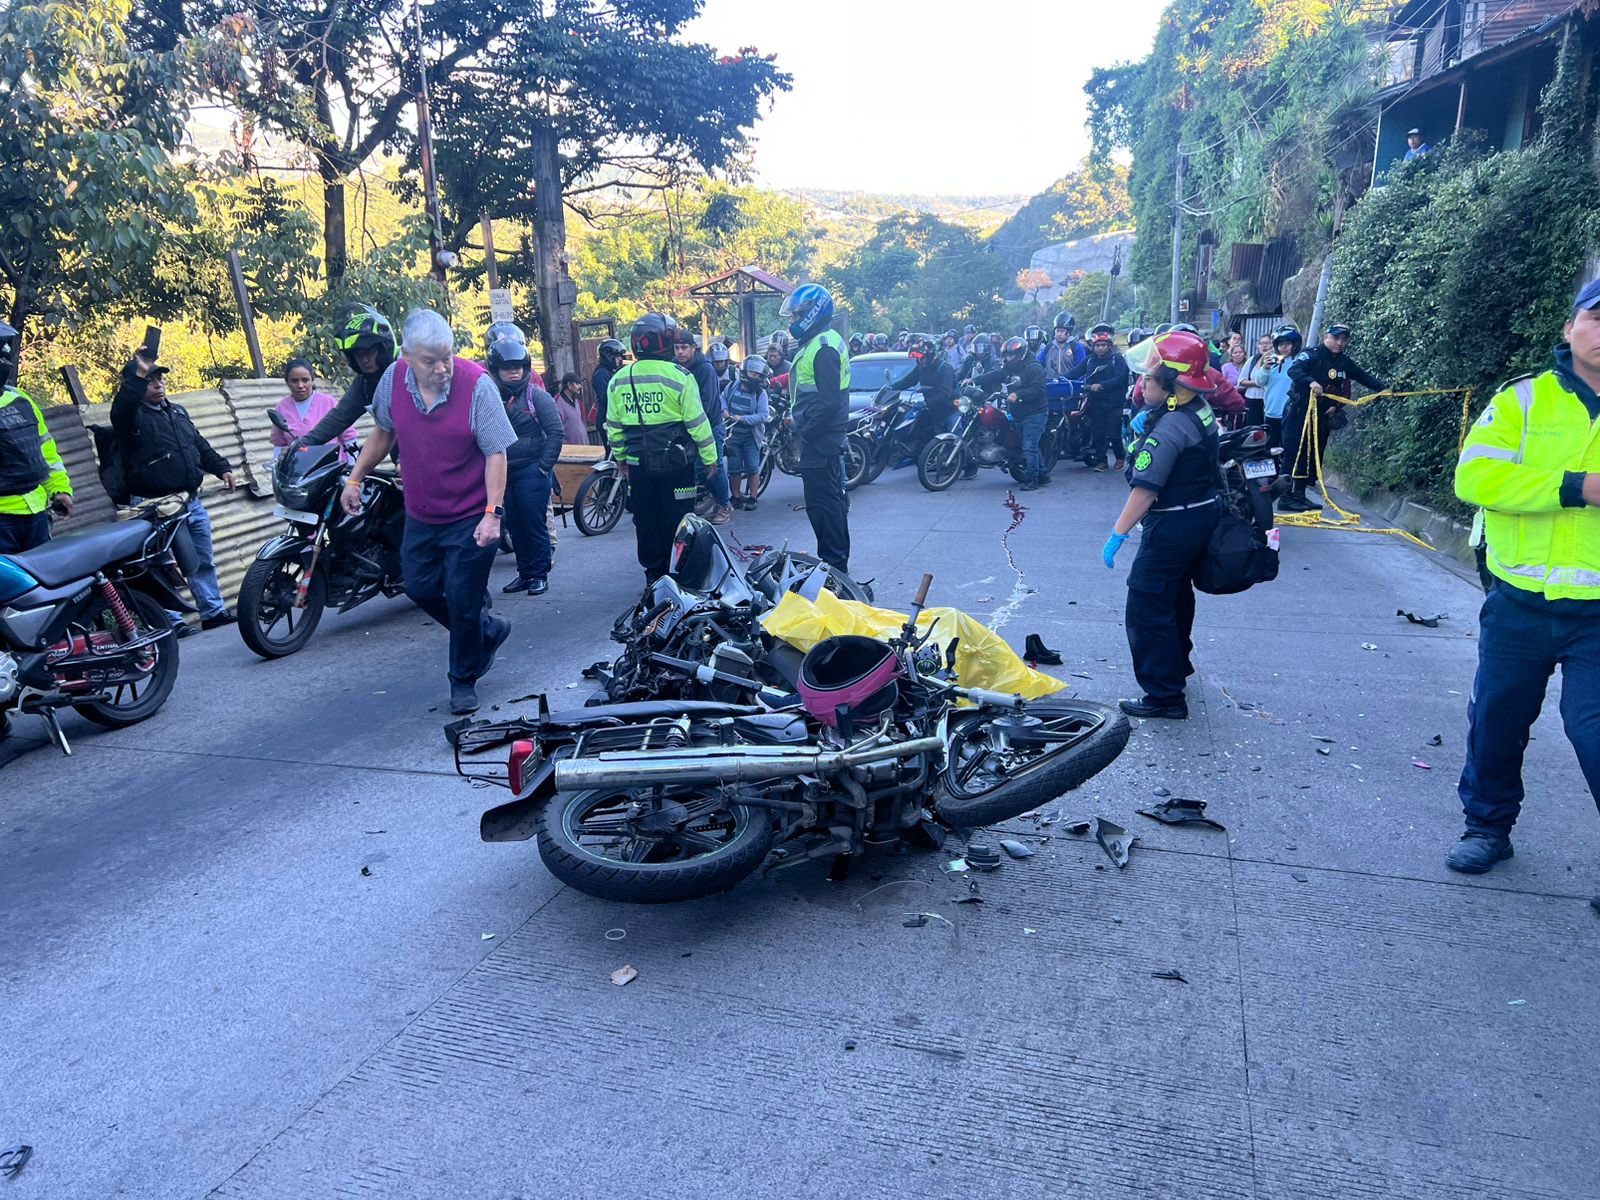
x=741 y=281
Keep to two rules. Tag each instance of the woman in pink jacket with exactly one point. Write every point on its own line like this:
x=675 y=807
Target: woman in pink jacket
x=303 y=407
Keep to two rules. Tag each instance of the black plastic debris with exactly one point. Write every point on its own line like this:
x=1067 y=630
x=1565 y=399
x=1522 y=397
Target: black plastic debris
x=850 y=1045
x=1175 y=975
x=1034 y=650
x=983 y=858
x=1076 y=828
x=1116 y=841
x=1431 y=620
x=915 y=920
x=1015 y=848
x=13 y=1160
x=596 y=670
x=1161 y=791
x=1299 y=878
x=366 y=871
x=1324 y=751
x=1080 y=675
x=1317 y=737
x=1179 y=811
x=1595 y=904
x=1436 y=740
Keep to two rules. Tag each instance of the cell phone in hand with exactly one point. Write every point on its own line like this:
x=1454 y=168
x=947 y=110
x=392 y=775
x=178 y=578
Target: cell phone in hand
x=152 y=342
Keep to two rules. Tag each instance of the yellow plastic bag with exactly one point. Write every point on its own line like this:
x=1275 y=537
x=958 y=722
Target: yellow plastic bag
x=983 y=659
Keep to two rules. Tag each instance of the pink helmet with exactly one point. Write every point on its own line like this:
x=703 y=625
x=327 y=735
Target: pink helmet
x=850 y=672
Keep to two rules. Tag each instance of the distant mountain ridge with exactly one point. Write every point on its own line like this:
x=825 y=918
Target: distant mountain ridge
x=978 y=211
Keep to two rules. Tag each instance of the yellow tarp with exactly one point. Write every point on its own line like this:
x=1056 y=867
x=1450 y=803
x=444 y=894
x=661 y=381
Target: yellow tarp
x=983 y=659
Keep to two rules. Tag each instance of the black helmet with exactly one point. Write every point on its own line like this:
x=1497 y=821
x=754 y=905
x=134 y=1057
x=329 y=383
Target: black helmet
x=982 y=347
x=502 y=329
x=755 y=370
x=1065 y=320
x=360 y=327
x=1184 y=327
x=952 y=335
x=1014 y=351
x=507 y=351
x=880 y=341
x=969 y=330
x=611 y=353
x=653 y=335
x=8 y=355
x=1164 y=327
x=719 y=353
x=855 y=343
x=1035 y=336
x=1136 y=335
x=1288 y=332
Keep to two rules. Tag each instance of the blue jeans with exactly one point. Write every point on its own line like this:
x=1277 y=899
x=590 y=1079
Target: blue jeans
x=1032 y=429
x=447 y=577
x=718 y=487
x=23 y=531
x=527 y=499
x=1519 y=646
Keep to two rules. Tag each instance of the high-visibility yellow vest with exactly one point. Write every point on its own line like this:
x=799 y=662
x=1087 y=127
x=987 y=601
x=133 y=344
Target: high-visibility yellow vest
x=655 y=392
x=1517 y=456
x=803 y=375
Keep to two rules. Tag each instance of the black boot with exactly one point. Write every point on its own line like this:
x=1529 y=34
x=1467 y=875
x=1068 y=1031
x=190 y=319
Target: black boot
x=1035 y=651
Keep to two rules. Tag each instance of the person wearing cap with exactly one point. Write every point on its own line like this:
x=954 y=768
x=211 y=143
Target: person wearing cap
x=33 y=480
x=1175 y=497
x=1531 y=462
x=165 y=454
x=1415 y=146
x=569 y=404
x=1320 y=375
x=1105 y=382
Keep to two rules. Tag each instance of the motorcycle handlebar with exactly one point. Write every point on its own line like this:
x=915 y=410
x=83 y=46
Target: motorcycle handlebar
x=922 y=591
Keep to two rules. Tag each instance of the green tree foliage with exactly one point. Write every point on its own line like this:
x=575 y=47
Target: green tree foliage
x=921 y=273
x=1091 y=199
x=1262 y=97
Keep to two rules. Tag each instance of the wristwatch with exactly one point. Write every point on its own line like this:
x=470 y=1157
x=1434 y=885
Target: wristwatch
x=495 y=510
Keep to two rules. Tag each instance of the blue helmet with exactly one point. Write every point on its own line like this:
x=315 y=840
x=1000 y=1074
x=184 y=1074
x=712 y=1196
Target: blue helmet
x=810 y=311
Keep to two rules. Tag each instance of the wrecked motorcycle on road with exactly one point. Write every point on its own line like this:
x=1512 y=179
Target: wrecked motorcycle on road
x=875 y=746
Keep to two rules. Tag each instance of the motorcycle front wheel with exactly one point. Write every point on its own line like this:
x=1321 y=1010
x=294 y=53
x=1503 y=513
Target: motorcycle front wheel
x=858 y=455
x=988 y=777
x=939 y=465
x=640 y=848
x=269 y=622
x=767 y=573
x=769 y=458
x=599 y=503
x=138 y=700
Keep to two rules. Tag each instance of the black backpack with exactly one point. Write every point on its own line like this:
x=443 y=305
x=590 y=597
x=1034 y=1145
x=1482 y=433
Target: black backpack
x=113 y=464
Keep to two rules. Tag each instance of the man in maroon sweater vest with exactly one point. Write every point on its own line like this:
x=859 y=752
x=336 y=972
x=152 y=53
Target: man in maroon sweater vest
x=453 y=432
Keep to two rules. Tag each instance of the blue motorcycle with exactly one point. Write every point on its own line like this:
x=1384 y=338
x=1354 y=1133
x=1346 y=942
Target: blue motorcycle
x=891 y=433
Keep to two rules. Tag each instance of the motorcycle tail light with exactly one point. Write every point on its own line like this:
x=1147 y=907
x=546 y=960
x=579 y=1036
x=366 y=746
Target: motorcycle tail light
x=517 y=764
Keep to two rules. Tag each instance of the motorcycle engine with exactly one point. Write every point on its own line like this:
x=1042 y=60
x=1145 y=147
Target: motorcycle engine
x=989 y=455
x=9 y=683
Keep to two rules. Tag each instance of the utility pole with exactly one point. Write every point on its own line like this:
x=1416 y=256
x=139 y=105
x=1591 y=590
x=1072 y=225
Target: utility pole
x=430 y=181
x=491 y=267
x=1116 y=269
x=1327 y=268
x=1177 y=238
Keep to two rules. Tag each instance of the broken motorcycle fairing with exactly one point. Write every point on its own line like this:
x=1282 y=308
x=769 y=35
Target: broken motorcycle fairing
x=673 y=799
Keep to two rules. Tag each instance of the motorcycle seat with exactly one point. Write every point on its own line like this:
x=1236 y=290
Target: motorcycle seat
x=75 y=556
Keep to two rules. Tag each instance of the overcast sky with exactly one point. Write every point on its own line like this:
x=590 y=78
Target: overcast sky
x=931 y=82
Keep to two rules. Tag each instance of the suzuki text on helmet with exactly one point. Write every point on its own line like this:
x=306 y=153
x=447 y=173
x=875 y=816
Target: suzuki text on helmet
x=809 y=310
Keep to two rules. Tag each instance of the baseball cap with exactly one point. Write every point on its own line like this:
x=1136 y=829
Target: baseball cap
x=1589 y=296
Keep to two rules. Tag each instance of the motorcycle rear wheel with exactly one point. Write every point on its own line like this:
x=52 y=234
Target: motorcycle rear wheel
x=131 y=703
x=764 y=573
x=858 y=456
x=769 y=458
x=939 y=465
x=592 y=841
x=269 y=622
x=979 y=787
x=599 y=503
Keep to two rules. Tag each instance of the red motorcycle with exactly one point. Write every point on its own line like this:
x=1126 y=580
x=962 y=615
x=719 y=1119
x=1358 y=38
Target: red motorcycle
x=985 y=435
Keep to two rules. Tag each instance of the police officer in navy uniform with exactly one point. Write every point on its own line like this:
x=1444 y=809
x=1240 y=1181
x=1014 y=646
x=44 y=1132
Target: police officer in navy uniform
x=819 y=384
x=1320 y=376
x=1177 y=497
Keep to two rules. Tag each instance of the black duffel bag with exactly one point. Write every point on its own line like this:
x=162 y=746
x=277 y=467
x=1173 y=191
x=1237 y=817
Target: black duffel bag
x=1237 y=557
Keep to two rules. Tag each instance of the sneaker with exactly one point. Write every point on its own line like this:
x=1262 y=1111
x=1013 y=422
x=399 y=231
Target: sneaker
x=1120 y=465
x=519 y=584
x=538 y=587
x=1152 y=712
x=1043 y=479
x=218 y=620
x=1100 y=467
x=750 y=504
x=1476 y=853
x=463 y=699
x=499 y=631
x=181 y=630
x=1031 y=486
x=721 y=514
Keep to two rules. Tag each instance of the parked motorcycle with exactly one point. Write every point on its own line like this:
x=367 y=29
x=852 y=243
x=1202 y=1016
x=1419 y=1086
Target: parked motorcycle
x=603 y=497
x=84 y=624
x=890 y=433
x=696 y=632
x=674 y=799
x=325 y=557
x=985 y=435
x=1249 y=465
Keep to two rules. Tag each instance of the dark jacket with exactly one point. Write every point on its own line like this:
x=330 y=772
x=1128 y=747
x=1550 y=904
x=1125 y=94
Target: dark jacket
x=1026 y=380
x=599 y=385
x=705 y=375
x=163 y=450
x=821 y=421
x=1111 y=373
x=356 y=400
x=937 y=380
x=1333 y=371
x=537 y=424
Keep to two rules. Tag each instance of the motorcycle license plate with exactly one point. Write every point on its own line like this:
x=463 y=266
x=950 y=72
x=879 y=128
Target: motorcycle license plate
x=295 y=515
x=1260 y=470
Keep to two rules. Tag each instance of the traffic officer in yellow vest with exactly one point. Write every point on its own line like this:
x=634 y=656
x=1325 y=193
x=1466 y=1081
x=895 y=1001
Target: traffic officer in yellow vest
x=32 y=477
x=657 y=428
x=819 y=386
x=1532 y=463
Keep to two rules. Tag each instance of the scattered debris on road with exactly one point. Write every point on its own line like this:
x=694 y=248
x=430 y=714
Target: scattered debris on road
x=13 y=1160
x=1431 y=620
x=984 y=858
x=1015 y=848
x=1174 y=974
x=1116 y=841
x=956 y=866
x=849 y=1045
x=1077 y=828
x=1420 y=765
x=1436 y=740
x=367 y=871
x=1161 y=791
x=1179 y=811
x=1299 y=878
x=1369 y=645
x=624 y=975
x=486 y=937
x=1035 y=649
x=1323 y=750
x=616 y=935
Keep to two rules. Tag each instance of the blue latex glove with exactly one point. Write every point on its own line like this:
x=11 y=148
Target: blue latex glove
x=1108 y=554
x=1139 y=420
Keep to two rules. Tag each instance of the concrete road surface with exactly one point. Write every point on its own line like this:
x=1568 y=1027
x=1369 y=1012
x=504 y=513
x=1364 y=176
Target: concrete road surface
x=206 y=995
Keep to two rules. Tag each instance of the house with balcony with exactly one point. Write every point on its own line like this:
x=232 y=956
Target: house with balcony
x=1456 y=65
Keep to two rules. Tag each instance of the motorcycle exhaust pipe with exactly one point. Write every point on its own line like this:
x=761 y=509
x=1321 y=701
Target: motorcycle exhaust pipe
x=736 y=764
